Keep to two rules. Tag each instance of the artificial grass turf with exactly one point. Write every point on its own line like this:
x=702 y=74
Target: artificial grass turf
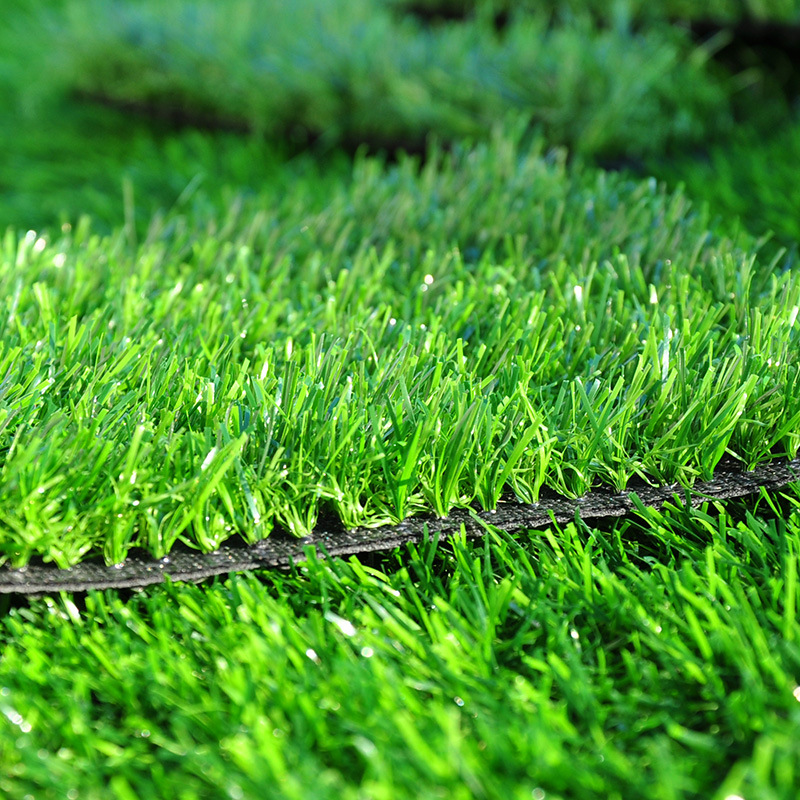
x=584 y=87
x=654 y=658
x=660 y=658
x=342 y=354
x=63 y=160
x=355 y=72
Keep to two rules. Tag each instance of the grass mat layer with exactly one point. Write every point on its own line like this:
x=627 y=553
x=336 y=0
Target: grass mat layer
x=656 y=658
x=74 y=162
x=416 y=340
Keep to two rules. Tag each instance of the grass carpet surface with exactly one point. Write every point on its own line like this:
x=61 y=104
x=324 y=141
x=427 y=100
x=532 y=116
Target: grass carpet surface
x=207 y=336
x=416 y=340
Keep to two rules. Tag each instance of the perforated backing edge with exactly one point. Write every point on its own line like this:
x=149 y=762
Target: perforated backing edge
x=280 y=551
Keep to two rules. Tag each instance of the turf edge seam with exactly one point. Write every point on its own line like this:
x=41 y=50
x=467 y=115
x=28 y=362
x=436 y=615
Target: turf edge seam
x=281 y=551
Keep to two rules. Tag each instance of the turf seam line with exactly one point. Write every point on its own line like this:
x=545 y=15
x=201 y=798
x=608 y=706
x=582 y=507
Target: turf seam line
x=279 y=552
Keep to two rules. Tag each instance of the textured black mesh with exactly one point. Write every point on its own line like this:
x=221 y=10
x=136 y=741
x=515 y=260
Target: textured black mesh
x=330 y=539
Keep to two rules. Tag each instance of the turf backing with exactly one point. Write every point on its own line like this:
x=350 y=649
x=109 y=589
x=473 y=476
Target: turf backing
x=330 y=539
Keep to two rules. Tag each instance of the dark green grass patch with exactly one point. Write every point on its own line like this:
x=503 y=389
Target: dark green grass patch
x=657 y=658
x=752 y=177
x=64 y=159
x=786 y=11
x=417 y=339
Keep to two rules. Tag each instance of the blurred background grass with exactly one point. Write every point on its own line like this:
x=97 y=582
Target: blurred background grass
x=132 y=106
